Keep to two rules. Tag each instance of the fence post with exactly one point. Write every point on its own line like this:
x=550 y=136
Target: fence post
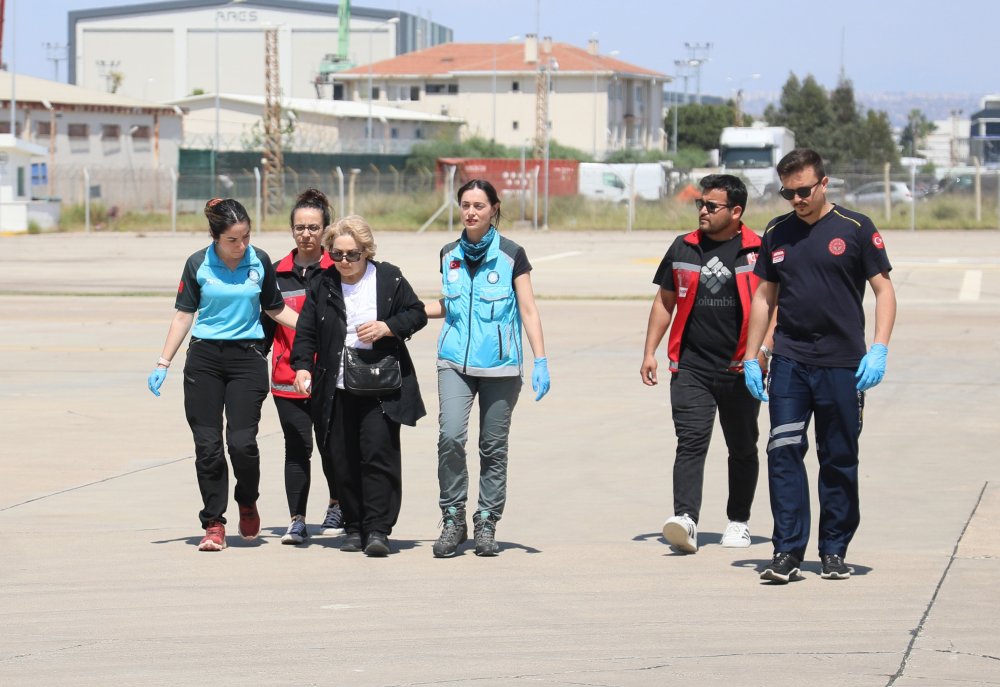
x=350 y=190
x=913 y=196
x=340 y=185
x=86 y=200
x=256 y=198
x=378 y=177
x=631 y=200
x=395 y=178
x=173 y=199
x=979 y=190
x=534 y=202
x=886 y=193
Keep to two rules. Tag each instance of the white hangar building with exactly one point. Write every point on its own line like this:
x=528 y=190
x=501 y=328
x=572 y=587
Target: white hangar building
x=164 y=51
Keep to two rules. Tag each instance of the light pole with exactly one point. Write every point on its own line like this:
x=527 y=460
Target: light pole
x=553 y=65
x=370 y=134
x=696 y=62
x=216 y=143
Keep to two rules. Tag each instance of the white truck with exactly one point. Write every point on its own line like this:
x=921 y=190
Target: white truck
x=603 y=181
x=751 y=152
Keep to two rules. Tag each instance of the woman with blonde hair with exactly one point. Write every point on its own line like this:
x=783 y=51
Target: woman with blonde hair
x=360 y=303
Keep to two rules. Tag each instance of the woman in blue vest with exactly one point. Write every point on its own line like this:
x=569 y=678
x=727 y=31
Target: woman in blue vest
x=486 y=284
x=225 y=369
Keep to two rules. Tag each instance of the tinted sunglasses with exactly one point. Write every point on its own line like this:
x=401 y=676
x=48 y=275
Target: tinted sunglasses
x=712 y=207
x=350 y=256
x=802 y=192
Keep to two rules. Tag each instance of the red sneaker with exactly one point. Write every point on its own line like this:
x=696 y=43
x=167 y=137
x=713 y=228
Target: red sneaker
x=249 y=522
x=215 y=537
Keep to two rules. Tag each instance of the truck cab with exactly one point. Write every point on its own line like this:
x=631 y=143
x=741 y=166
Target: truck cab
x=752 y=152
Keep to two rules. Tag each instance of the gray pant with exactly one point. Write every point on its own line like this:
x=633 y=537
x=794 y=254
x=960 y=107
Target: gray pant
x=497 y=397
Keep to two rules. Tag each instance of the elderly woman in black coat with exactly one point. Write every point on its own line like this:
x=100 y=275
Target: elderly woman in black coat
x=360 y=304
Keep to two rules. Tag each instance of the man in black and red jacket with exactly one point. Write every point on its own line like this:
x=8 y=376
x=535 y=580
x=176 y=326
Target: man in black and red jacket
x=707 y=278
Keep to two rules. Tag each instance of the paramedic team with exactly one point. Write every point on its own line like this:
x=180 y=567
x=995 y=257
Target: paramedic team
x=810 y=267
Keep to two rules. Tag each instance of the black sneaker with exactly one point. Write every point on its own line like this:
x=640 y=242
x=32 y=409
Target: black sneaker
x=485 y=528
x=454 y=531
x=351 y=543
x=834 y=567
x=783 y=567
x=377 y=546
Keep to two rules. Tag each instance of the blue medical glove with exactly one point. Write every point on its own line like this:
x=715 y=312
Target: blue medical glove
x=754 y=379
x=156 y=378
x=540 y=378
x=872 y=367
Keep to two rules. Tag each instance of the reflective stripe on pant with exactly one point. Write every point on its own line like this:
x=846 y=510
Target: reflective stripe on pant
x=230 y=377
x=694 y=399
x=797 y=392
x=497 y=398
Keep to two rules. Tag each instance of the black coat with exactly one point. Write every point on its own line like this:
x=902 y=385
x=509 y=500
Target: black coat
x=322 y=330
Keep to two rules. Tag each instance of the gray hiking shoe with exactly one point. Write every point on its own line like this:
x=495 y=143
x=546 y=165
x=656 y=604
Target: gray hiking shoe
x=485 y=527
x=454 y=531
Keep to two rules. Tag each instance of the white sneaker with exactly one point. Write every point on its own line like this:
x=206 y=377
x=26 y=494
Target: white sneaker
x=682 y=533
x=736 y=536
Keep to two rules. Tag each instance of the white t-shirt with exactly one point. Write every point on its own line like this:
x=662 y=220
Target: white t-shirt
x=360 y=301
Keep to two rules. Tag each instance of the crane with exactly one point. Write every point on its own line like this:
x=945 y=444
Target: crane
x=338 y=62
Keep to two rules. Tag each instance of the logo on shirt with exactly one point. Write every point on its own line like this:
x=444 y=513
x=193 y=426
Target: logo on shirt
x=751 y=258
x=493 y=277
x=714 y=275
x=253 y=275
x=877 y=241
x=837 y=247
x=777 y=256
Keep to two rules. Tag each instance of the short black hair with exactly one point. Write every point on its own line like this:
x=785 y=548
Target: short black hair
x=798 y=160
x=736 y=190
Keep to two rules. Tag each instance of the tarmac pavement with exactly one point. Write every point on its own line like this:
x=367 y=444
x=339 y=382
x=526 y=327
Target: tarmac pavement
x=101 y=581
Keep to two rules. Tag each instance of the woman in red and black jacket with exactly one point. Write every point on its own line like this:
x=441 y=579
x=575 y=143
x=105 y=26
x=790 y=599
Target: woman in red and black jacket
x=309 y=219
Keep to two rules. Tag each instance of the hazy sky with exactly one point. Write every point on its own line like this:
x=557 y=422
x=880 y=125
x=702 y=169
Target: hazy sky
x=885 y=45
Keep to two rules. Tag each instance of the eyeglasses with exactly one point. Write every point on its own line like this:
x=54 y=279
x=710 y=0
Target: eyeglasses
x=709 y=205
x=349 y=256
x=311 y=228
x=802 y=192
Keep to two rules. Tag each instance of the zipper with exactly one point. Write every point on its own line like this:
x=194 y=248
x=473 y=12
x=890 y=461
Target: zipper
x=472 y=301
x=499 y=343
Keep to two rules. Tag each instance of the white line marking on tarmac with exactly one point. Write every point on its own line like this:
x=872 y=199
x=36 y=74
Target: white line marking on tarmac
x=558 y=256
x=972 y=285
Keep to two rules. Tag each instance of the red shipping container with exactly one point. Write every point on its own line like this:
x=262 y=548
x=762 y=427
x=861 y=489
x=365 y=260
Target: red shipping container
x=505 y=174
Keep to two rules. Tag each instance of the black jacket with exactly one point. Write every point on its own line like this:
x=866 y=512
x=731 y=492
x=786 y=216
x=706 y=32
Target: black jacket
x=322 y=329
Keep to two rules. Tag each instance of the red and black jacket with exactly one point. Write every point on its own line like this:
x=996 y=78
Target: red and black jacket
x=687 y=263
x=293 y=285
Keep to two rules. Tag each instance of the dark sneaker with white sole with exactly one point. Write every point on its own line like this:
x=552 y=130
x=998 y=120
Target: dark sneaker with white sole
x=333 y=522
x=834 y=567
x=782 y=568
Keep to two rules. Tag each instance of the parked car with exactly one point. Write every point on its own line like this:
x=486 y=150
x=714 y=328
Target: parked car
x=873 y=193
x=966 y=183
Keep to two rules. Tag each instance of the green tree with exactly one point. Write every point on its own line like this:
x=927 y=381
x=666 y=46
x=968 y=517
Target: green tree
x=845 y=132
x=915 y=132
x=805 y=109
x=879 y=146
x=700 y=126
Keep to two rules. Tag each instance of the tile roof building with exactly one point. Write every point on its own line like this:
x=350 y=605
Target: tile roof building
x=596 y=103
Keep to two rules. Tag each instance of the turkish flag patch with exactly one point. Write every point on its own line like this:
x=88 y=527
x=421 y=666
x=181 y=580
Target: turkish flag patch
x=454 y=265
x=877 y=241
x=180 y=287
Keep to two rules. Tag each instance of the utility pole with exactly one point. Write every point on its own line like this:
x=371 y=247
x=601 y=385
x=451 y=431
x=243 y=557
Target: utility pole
x=695 y=61
x=55 y=53
x=273 y=162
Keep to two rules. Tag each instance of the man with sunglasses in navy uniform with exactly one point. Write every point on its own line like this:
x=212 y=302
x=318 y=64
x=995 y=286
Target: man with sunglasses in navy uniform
x=814 y=262
x=707 y=277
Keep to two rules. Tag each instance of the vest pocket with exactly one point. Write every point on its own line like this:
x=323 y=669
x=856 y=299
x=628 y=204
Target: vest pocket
x=493 y=302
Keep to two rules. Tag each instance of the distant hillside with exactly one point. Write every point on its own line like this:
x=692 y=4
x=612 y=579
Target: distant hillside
x=935 y=106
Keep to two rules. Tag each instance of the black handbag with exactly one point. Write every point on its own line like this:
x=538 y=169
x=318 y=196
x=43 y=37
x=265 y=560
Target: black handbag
x=371 y=372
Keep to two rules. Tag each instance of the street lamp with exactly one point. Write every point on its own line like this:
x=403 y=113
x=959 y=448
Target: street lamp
x=509 y=40
x=370 y=133
x=216 y=144
x=553 y=65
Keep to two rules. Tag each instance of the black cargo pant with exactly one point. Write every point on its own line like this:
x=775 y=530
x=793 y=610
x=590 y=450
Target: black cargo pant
x=295 y=415
x=225 y=377
x=694 y=398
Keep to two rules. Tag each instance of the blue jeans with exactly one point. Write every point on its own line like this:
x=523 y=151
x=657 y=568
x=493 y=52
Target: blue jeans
x=797 y=392
x=497 y=398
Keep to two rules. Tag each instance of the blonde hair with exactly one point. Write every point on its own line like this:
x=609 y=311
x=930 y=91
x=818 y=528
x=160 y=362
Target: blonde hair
x=357 y=228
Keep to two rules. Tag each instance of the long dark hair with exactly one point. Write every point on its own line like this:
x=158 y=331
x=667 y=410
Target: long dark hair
x=315 y=199
x=491 y=195
x=223 y=213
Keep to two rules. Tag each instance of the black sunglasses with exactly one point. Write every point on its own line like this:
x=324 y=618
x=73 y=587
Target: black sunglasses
x=709 y=205
x=350 y=256
x=802 y=192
